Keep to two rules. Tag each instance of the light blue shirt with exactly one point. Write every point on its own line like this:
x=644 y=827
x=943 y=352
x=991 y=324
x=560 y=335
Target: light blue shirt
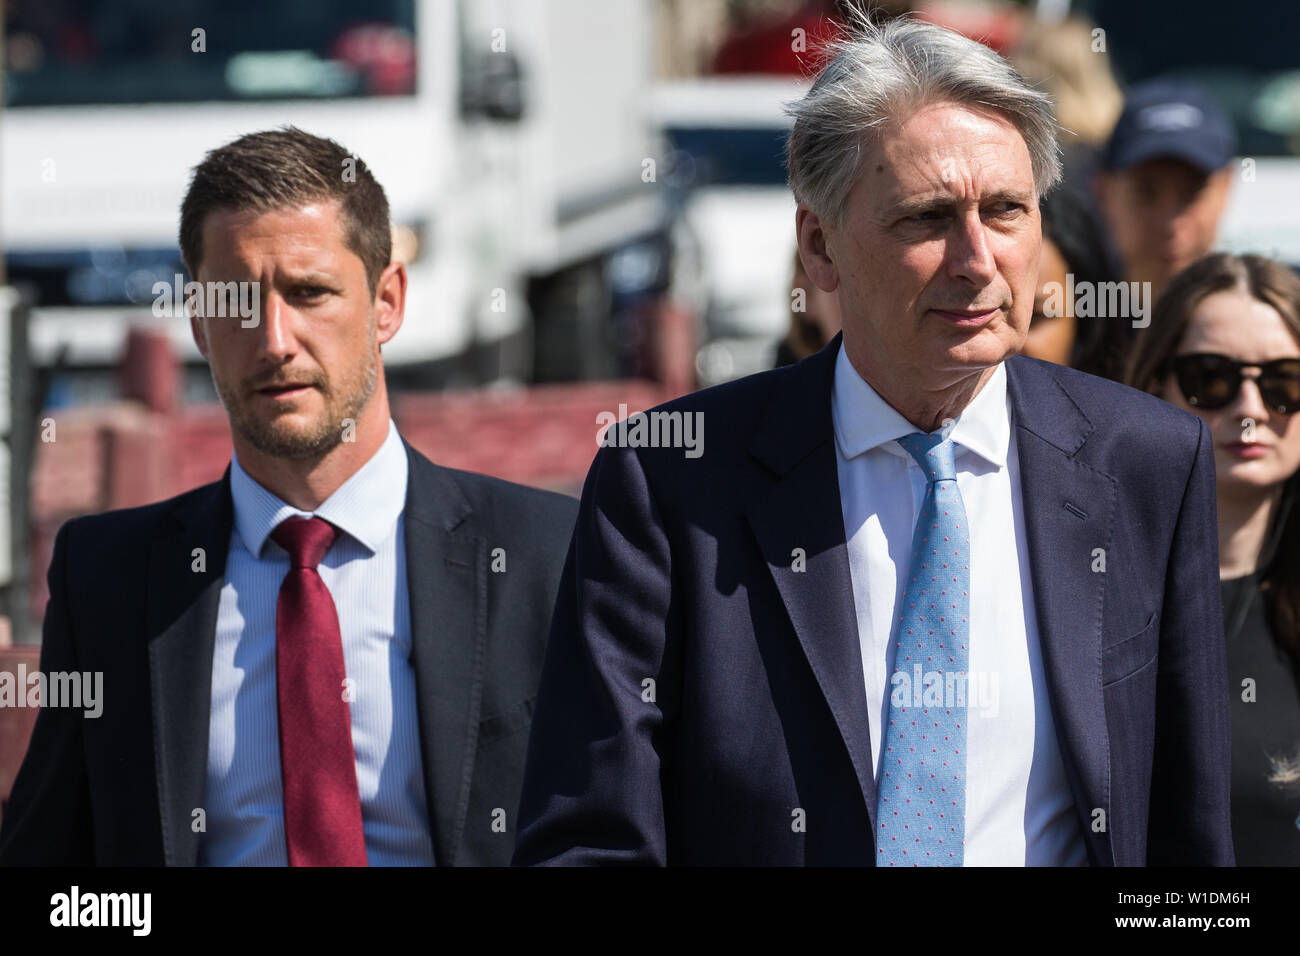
x=365 y=572
x=1019 y=807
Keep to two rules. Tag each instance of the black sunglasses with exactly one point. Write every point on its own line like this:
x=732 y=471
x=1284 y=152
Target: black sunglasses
x=1212 y=381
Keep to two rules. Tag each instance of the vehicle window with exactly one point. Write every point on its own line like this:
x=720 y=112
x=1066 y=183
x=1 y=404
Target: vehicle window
x=83 y=52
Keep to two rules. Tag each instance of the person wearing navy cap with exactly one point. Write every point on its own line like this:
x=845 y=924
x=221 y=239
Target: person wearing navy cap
x=1166 y=171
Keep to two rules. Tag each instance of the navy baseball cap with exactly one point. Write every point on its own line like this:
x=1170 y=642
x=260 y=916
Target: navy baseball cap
x=1168 y=119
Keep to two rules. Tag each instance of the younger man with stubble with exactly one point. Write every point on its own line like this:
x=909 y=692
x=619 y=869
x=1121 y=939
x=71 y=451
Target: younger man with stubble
x=341 y=680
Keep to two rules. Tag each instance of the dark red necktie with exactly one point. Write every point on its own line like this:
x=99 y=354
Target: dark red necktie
x=322 y=807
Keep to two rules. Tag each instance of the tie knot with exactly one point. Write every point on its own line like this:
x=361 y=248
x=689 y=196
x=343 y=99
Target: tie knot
x=306 y=540
x=933 y=453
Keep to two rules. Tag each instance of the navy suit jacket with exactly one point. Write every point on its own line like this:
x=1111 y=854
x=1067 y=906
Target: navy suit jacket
x=699 y=689
x=121 y=789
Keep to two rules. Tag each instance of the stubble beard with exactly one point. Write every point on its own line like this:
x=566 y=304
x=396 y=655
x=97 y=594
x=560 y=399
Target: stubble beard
x=273 y=438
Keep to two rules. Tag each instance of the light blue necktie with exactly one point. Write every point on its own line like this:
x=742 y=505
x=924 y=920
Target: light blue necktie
x=921 y=792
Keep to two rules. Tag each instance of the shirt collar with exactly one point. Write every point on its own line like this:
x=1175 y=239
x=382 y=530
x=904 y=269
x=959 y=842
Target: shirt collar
x=366 y=506
x=863 y=420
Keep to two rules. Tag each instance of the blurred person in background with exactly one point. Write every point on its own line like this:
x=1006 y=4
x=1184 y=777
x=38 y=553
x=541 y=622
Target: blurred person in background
x=1062 y=59
x=1074 y=252
x=814 y=318
x=308 y=657
x=1224 y=344
x=1164 y=179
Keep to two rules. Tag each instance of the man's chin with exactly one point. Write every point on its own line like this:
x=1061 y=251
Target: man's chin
x=291 y=440
x=982 y=350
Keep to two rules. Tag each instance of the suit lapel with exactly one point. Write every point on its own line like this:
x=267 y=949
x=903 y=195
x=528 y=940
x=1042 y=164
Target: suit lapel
x=446 y=575
x=182 y=623
x=797 y=445
x=1069 y=510
x=446 y=568
x=799 y=514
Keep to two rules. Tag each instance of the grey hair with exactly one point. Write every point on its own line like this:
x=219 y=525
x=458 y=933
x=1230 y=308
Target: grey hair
x=877 y=73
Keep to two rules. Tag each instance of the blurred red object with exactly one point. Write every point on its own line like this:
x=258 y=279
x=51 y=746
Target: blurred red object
x=15 y=722
x=996 y=25
x=769 y=47
x=385 y=54
x=148 y=371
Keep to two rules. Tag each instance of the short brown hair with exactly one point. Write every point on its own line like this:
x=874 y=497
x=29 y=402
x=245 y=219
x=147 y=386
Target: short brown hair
x=275 y=169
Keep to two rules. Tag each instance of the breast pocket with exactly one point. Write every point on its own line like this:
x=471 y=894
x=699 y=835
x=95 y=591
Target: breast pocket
x=506 y=722
x=1131 y=654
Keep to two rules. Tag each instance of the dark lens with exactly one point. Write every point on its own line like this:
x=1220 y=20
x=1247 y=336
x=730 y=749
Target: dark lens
x=1279 y=385
x=1207 y=381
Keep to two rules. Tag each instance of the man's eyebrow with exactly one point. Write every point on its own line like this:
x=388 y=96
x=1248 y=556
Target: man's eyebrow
x=311 y=278
x=941 y=203
x=919 y=204
x=1011 y=195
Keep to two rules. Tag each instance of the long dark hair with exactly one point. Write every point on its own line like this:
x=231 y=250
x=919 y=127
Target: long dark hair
x=1272 y=283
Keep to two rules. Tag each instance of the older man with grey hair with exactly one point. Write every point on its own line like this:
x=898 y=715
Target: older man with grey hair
x=922 y=600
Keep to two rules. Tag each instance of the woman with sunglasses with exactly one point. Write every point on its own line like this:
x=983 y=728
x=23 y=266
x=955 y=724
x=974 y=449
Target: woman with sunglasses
x=1224 y=344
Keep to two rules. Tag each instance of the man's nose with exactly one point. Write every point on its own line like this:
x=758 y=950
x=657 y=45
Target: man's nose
x=969 y=254
x=277 y=340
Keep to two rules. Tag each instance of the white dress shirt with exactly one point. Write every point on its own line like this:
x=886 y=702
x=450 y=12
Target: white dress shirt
x=365 y=572
x=1019 y=808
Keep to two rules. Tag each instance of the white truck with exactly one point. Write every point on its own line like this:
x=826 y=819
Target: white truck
x=509 y=143
x=736 y=228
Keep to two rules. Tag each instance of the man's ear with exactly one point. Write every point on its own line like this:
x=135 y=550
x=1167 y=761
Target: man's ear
x=194 y=309
x=390 y=301
x=814 y=249
x=200 y=336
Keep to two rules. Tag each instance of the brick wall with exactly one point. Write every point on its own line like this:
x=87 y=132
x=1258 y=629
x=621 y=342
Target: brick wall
x=121 y=455
x=15 y=722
